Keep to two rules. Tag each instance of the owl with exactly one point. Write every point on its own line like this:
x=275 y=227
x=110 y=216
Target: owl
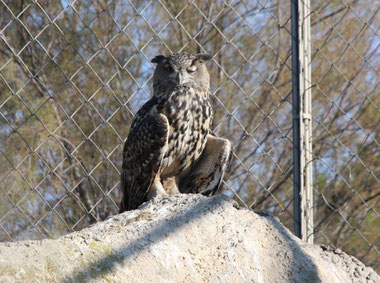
x=169 y=148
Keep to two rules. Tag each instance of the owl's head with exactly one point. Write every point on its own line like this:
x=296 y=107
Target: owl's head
x=182 y=68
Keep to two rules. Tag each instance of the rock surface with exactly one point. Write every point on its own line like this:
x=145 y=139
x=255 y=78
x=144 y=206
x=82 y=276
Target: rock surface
x=182 y=238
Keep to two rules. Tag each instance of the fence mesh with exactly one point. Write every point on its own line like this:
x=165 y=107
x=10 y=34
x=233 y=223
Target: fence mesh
x=73 y=74
x=346 y=117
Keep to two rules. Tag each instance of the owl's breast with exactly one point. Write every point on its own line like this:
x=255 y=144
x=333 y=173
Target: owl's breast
x=190 y=118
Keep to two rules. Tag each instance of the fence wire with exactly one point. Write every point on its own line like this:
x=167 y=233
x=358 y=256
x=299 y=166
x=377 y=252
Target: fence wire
x=73 y=74
x=346 y=116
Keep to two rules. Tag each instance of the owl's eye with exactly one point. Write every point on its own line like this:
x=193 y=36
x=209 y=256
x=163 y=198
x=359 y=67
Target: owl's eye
x=191 y=69
x=169 y=69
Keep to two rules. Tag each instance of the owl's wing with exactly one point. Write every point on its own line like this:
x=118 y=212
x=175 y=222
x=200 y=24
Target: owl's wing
x=207 y=174
x=142 y=158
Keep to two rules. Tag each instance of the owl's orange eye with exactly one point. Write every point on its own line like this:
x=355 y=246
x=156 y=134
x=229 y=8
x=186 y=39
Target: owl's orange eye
x=191 y=69
x=169 y=69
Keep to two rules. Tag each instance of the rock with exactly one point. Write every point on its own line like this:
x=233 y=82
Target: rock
x=181 y=238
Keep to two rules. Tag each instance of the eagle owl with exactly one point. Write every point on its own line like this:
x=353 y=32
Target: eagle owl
x=169 y=148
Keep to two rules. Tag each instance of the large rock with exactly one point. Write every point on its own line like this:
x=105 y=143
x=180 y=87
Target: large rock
x=182 y=238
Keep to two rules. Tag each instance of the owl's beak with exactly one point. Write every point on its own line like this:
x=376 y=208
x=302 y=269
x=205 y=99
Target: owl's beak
x=179 y=78
x=182 y=78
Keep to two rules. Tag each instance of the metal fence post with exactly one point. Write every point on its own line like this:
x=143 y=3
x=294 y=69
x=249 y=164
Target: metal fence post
x=302 y=127
x=306 y=124
x=296 y=121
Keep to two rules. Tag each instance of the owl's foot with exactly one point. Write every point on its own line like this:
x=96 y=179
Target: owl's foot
x=170 y=185
x=157 y=190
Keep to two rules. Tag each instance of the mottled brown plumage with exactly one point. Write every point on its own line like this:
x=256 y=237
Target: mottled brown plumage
x=169 y=148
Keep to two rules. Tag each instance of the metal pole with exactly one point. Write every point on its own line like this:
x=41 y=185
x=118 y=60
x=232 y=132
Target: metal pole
x=296 y=119
x=306 y=126
x=302 y=127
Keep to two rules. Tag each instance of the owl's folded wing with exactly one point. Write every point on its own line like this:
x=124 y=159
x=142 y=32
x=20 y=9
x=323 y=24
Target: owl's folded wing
x=142 y=158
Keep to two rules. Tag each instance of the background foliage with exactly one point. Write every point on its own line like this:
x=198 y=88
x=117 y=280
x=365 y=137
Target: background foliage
x=73 y=73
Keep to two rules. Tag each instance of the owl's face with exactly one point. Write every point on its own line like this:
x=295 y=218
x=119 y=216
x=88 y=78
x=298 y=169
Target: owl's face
x=182 y=68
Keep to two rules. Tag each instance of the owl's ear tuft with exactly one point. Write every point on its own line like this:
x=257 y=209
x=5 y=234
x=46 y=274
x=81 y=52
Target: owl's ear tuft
x=158 y=59
x=201 y=57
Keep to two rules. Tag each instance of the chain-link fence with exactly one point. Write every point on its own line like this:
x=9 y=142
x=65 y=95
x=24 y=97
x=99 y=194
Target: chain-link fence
x=73 y=73
x=346 y=117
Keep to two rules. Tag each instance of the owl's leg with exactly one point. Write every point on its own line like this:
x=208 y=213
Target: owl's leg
x=207 y=174
x=170 y=185
x=156 y=190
